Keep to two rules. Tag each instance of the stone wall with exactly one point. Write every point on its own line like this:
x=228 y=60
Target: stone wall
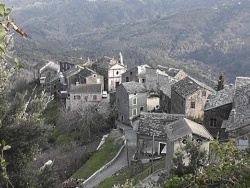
x=199 y=101
x=177 y=103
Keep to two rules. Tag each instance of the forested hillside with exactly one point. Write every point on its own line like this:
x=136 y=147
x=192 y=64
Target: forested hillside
x=213 y=33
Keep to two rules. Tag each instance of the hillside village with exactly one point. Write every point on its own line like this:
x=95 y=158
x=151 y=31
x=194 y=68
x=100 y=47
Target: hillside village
x=163 y=106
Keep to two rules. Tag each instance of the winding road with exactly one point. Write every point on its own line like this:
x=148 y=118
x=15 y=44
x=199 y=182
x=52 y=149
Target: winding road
x=121 y=161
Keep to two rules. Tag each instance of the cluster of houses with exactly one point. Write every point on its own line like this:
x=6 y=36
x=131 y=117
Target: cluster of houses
x=159 y=102
x=80 y=85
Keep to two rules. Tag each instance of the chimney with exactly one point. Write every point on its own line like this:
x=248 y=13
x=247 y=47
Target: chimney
x=233 y=115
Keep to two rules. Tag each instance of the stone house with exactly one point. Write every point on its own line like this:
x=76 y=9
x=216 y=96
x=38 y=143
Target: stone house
x=131 y=100
x=155 y=129
x=134 y=74
x=44 y=72
x=151 y=128
x=238 y=123
x=177 y=134
x=165 y=83
x=178 y=131
x=83 y=75
x=58 y=86
x=217 y=109
x=81 y=96
x=64 y=66
x=143 y=74
x=112 y=72
x=188 y=96
x=36 y=69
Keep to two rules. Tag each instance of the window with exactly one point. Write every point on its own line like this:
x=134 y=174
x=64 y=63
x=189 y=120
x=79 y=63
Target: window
x=94 y=97
x=117 y=84
x=94 y=75
x=134 y=112
x=77 y=97
x=134 y=101
x=141 y=109
x=213 y=122
x=143 y=80
x=127 y=79
x=54 y=86
x=192 y=104
x=130 y=73
x=204 y=93
x=117 y=72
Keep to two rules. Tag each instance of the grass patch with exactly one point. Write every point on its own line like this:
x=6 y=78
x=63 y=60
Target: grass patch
x=118 y=178
x=126 y=174
x=50 y=114
x=105 y=154
x=63 y=139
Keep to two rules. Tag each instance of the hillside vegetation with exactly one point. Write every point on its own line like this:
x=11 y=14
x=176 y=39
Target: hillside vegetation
x=213 y=33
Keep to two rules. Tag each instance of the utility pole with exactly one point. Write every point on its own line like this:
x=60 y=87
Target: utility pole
x=170 y=150
x=127 y=151
x=152 y=156
x=169 y=155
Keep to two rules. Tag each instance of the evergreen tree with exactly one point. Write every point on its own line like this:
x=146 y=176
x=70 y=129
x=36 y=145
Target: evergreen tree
x=220 y=81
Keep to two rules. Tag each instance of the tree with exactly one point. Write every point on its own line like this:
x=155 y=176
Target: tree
x=47 y=177
x=196 y=156
x=227 y=167
x=220 y=84
x=21 y=124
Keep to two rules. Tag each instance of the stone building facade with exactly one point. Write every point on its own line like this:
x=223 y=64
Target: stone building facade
x=131 y=101
x=188 y=96
x=83 y=95
x=217 y=109
x=83 y=75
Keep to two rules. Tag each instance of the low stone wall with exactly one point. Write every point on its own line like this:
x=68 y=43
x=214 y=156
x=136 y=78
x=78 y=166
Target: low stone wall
x=104 y=167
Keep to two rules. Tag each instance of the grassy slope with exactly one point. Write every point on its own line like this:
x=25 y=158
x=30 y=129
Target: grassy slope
x=105 y=154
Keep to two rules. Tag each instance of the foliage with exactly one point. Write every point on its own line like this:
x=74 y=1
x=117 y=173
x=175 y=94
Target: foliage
x=195 y=156
x=220 y=84
x=47 y=177
x=228 y=167
x=215 y=35
x=81 y=125
x=21 y=125
x=198 y=119
x=127 y=184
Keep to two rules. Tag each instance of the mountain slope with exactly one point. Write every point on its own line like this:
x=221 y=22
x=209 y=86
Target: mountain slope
x=212 y=32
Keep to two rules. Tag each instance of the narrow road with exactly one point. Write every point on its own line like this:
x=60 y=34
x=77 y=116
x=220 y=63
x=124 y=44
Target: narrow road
x=121 y=161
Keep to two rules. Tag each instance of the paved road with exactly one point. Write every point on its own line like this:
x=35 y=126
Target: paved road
x=121 y=161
